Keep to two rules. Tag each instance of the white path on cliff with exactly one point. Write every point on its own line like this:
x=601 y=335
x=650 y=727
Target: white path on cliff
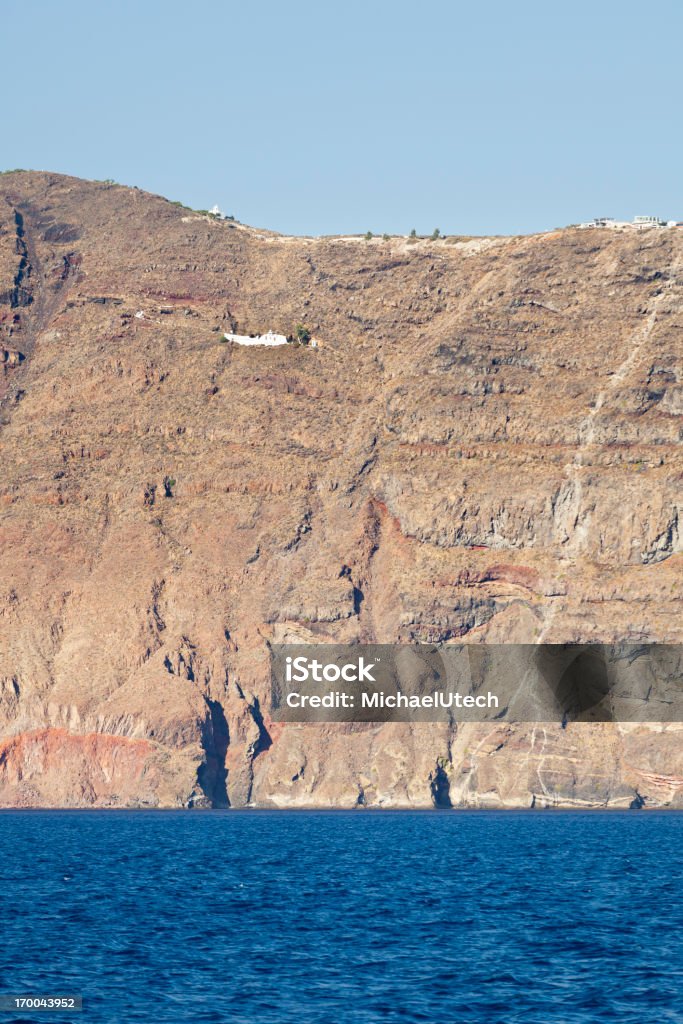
x=578 y=540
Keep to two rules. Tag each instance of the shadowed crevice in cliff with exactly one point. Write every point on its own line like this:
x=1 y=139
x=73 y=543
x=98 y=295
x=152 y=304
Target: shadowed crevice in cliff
x=264 y=741
x=21 y=294
x=440 y=787
x=212 y=775
x=30 y=298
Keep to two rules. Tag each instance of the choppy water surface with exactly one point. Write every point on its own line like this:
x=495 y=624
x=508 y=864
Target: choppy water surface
x=334 y=917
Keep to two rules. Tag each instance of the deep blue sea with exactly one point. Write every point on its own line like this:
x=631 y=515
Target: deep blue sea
x=326 y=918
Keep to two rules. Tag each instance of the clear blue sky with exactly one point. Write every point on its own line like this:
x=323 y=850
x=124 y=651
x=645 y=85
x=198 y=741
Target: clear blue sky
x=320 y=117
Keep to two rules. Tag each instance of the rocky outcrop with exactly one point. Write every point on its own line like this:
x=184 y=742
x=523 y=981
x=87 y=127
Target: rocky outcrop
x=485 y=445
x=11 y=357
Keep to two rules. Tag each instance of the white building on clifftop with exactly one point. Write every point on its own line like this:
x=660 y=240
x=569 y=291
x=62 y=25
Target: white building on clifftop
x=649 y=222
x=640 y=223
x=268 y=339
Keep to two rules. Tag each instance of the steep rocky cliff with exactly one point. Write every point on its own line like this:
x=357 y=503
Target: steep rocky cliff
x=485 y=445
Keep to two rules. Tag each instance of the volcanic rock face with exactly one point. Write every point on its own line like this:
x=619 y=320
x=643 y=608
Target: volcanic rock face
x=485 y=445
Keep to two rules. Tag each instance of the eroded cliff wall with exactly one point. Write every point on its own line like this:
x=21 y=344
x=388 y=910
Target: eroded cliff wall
x=485 y=445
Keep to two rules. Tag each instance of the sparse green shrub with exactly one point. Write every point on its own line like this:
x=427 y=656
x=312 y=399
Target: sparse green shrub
x=303 y=335
x=435 y=234
x=385 y=237
x=368 y=235
x=413 y=233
